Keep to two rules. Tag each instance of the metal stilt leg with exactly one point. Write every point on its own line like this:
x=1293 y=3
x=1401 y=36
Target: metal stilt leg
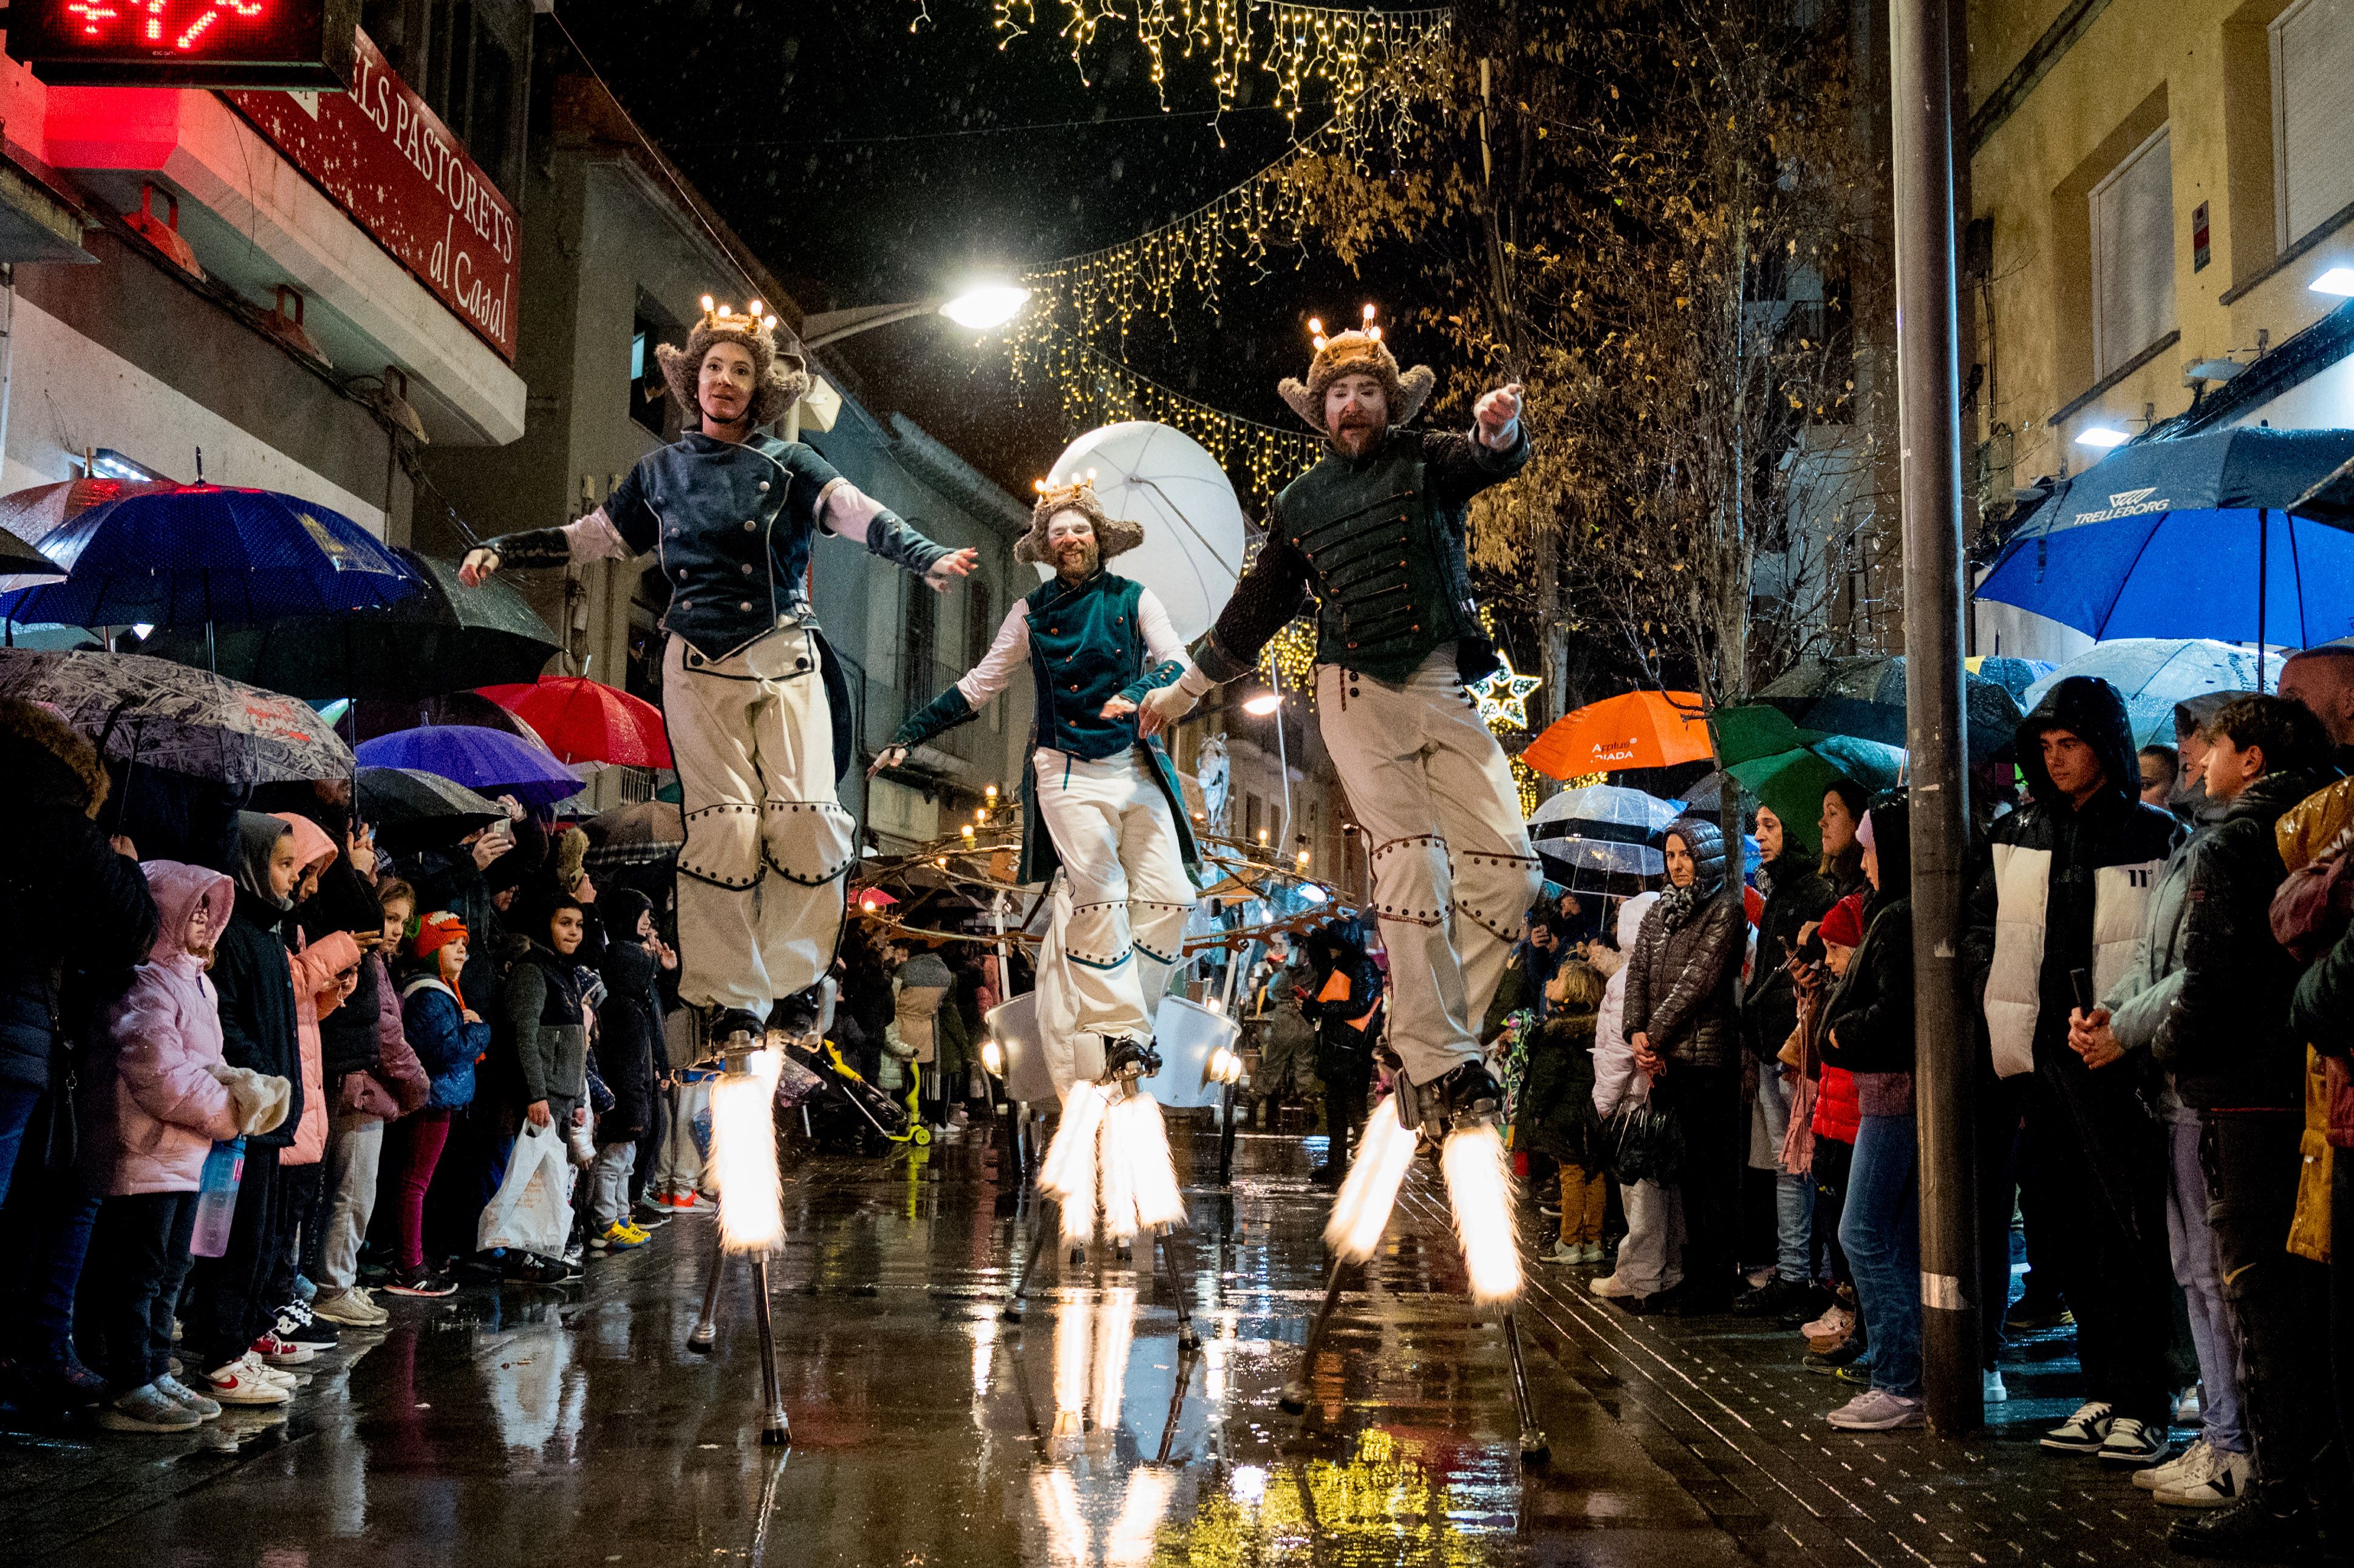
x=707 y=1327
x=775 y=1432
x=1044 y=1224
x=1295 y=1392
x=1185 y=1359
x=1170 y=1240
x=1534 y=1448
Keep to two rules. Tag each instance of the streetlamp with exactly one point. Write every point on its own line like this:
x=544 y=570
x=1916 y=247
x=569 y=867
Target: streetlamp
x=978 y=309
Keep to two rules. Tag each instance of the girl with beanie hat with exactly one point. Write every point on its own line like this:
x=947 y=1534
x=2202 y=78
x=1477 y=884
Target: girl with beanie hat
x=448 y=1038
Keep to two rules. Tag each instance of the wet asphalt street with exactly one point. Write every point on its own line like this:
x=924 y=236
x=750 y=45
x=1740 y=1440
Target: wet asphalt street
x=574 y=1427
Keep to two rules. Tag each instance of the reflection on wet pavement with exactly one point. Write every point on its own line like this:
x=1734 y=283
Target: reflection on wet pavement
x=549 y=1427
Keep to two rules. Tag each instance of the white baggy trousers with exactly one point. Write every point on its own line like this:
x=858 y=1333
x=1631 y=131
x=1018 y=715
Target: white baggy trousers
x=1453 y=873
x=759 y=878
x=1119 y=906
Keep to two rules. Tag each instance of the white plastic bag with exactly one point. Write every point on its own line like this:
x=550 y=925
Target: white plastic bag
x=532 y=1211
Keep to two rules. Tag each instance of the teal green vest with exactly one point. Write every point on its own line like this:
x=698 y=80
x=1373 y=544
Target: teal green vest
x=1084 y=649
x=1389 y=567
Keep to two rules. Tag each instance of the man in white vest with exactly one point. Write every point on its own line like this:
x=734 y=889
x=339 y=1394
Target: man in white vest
x=2058 y=908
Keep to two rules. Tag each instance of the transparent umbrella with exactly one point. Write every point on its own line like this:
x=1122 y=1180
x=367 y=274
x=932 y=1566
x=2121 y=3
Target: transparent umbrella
x=1163 y=478
x=2153 y=673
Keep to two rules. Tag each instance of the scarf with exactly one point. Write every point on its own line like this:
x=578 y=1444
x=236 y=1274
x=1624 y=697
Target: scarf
x=1679 y=904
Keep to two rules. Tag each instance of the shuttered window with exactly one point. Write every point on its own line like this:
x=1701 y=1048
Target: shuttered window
x=2312 y=115
x=2133 y=255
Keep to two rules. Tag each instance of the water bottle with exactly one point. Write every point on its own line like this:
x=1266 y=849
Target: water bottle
x=216 y=1198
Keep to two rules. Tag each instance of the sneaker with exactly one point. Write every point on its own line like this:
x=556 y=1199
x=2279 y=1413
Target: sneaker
x=522 y=1268
x=2262 y=1526
x=317 y=1334
x=419 y=1281
x=148 y=1409
x=650 y=1214
x=242 y=1382
x=1549 y=1210
x=1858 y=1370
x=1829 y=1329
x=1876 y=1410
x=1610 y=1288
x=2218 y=1481
x=2082 y=1433
x=284 y=1377
x=1842 y=1354
x=1772 y=1298
x=1992 y=1390
x=618 y=1237
x=180 y=1393
x=1563 y=1253
x=350 y=1308
x=274 y=1350
x=2134 y=1443
x=2167 y=1471
x=1592 y=1252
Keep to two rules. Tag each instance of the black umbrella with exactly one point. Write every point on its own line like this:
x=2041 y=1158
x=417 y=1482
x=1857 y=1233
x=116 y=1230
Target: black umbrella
x=414 y=810
x=1864 y=698
x=445 y=637
x=649 y=833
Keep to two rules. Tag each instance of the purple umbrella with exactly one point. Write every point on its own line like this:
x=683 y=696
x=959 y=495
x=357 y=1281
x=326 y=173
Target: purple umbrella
x=195 y=555
x=487 y=761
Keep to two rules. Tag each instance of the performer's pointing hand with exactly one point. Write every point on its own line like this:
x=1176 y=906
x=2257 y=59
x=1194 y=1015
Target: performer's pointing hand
x=477 y=566
x=1496 y=413
x=1117 y=708
x=888 y=757
x=955 y=564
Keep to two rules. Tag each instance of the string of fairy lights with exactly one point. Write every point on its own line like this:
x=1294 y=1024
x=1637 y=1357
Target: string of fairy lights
x=1344 y=49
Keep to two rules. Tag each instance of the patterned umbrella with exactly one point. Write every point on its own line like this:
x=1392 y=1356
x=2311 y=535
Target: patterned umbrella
x=167 y=715
x=203 y=554
x=488 y=760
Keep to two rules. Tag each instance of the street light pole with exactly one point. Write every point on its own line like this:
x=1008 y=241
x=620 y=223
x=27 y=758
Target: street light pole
x=1929 y=428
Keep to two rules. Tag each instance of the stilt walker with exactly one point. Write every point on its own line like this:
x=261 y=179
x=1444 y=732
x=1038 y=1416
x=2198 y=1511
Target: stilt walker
x=758 y=718
x=1374 y=535
x=1102 y=807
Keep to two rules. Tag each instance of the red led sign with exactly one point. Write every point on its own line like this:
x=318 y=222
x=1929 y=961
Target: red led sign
x=185 y=43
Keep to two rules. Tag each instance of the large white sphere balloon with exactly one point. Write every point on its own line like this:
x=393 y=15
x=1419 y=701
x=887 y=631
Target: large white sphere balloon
x=1162 y=478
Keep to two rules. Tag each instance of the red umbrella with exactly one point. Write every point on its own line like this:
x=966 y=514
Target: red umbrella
x=586 y=721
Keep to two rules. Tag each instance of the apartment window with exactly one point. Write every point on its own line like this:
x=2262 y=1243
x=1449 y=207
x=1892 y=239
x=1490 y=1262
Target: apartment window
x=916 y=680
x=2133 y=255
x=2312 y=115
x=649 y=397
x=980 y=625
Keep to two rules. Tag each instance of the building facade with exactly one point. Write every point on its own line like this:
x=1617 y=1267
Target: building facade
x=2162 y=219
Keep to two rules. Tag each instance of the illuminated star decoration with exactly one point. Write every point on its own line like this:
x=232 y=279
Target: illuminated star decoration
x=1504 y=697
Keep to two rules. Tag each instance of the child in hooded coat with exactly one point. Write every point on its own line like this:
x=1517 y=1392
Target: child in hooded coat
x=155 y=1109
x=325 y=973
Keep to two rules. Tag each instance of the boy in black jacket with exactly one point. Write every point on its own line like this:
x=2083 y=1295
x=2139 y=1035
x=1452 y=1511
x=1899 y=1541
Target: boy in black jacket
x=227 y=1313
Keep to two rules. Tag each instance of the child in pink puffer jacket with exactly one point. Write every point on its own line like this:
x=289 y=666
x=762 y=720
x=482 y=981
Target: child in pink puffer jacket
x=157 y=1103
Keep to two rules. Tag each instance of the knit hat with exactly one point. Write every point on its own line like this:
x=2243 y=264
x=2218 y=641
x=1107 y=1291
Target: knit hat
x=1843 y=926
x=779 y=378
x=1353 y=354
x=435 y=932
x=1114 y=536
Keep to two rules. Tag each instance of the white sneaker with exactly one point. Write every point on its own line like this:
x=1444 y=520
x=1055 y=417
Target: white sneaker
x=353 y=1308
x=2223 y=1479
x=1608 y=1287
x=2172 y=1471
x=277 y=1375
x=279 y=1352
x=1593 y=1252
x=181 y=1392
x=242 y=1382
x=2085 y=1431
x=147 y=1409
x=1563 y=1253
x=1875 y=1410
x=1995 y=1392
x=2133 y=1442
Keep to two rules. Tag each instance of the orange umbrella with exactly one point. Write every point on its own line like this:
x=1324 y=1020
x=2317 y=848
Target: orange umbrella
x=1638 y=729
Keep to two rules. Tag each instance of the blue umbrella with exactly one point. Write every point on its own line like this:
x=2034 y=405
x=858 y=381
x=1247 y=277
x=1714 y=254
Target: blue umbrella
x=203 y=554
x=2189 y=538
x=487 y=761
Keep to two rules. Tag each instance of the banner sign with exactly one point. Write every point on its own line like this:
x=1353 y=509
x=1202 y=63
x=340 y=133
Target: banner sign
x=387 y=161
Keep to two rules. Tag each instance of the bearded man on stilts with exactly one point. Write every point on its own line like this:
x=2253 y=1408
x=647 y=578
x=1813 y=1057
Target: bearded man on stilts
x=1102 y=806
x=1374 y=533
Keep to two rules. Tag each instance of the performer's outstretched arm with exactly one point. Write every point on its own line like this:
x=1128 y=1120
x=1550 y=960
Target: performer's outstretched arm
x=1269 y=594
x=843 y=509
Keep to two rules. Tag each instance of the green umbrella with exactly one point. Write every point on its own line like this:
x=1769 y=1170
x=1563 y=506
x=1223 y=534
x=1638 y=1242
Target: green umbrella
x=1792 y=782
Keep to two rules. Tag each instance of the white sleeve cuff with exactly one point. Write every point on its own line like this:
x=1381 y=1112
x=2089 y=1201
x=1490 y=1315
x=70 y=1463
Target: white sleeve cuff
x=594 y=538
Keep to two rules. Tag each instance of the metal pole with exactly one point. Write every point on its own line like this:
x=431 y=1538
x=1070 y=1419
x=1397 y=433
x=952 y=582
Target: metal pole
x=774 y=1431
x=2263 y=560
x=1929 y=424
